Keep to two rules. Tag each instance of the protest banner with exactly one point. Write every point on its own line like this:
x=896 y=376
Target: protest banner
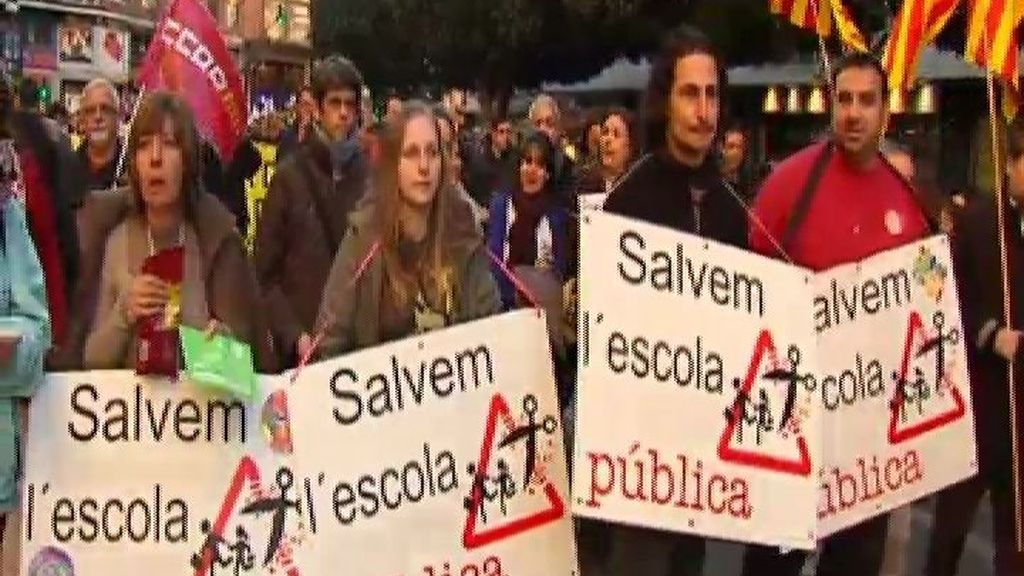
x=894 y=383
x=437 y=455
x=591 y=201
x=127 y=476
x=690 y=416
x=759 y=402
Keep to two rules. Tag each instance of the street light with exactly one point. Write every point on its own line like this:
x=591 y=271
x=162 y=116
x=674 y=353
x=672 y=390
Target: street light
x=771 y=101
x=816 y=101
x=793 y=104
x=926 y=99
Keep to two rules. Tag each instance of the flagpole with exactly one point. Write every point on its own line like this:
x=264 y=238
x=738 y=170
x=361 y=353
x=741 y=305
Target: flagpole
x=128 y=134
x=816 y=4
x=1007 y=318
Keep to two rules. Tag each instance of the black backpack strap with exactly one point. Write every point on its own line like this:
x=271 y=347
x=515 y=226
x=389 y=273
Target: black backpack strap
x=803 y=202
x=306 y=167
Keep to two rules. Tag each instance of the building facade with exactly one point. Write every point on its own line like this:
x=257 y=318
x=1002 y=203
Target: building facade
x=277 y=48
x=62 y=44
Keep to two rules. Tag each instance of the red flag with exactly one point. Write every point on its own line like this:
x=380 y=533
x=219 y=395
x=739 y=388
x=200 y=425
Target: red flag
x=188 y=56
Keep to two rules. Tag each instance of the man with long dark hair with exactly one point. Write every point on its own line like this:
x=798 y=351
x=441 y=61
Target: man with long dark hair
x=677 y=185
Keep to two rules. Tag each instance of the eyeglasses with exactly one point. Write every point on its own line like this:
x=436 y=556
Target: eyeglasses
x=98 y=109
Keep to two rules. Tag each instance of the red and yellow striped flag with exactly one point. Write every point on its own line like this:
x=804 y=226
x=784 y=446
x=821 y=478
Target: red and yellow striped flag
x=939 y=14
x=992 y=39
x=992 y=44
x=818 y=15
x=917 y=25
x=848 y=31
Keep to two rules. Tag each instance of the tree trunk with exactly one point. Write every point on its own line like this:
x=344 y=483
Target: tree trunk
x=494 y=98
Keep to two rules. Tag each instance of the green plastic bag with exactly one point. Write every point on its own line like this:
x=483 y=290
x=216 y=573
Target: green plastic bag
x=220 y=363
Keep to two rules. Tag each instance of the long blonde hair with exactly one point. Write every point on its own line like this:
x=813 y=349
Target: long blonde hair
x=435 y=266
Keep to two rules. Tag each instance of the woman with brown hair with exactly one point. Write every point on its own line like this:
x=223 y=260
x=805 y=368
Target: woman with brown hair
x=412 y=260
x=171 y=210
x=618 y=150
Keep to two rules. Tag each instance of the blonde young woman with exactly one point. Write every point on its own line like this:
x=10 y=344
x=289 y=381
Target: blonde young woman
x=412 y=260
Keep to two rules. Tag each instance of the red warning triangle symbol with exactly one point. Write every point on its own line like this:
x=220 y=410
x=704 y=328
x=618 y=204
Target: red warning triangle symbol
x=247 y=474
x=916 y=339
x=728 y=453
x=554 y=511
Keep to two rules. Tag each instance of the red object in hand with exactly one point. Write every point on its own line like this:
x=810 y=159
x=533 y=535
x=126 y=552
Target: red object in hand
x=159 y=351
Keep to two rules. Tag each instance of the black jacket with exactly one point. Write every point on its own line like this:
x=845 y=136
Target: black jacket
x=661 y=191
x=977 y=264
x=487 y=176
x=106 y=177
x=303 y=221
x=64 y=180
x=243 y=165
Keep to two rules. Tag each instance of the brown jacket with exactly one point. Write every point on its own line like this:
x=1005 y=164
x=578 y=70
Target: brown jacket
x=350 y=315
x=294 y=246
x=231 y=293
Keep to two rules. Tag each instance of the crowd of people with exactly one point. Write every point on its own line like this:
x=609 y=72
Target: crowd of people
x=373 y=231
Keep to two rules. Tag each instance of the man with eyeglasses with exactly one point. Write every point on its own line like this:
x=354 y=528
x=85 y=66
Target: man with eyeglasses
x=305 y=214
x=98 y=113
x=546 y=118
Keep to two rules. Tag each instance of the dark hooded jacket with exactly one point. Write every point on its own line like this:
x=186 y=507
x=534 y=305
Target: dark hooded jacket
x=303 y=221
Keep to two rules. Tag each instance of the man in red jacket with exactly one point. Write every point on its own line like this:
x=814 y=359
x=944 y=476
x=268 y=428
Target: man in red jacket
x=833 y=203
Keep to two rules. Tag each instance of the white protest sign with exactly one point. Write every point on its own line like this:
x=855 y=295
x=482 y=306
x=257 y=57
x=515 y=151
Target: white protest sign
x=591 y=201
x=689 y=419
x=894 y=383
x=438 y=455
x=127 y=475
x=866 y=372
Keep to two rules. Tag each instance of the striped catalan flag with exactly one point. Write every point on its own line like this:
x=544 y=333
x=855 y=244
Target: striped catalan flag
x=992 y=38
x=939 y=14
x=848 y=31
x=992 y=44
x=818 y=16
x=803 y=14
x=918 y=23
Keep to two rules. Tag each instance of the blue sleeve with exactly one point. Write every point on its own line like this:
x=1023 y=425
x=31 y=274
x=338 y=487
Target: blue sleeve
x=496 y=231
x=560 y=219
x=26 y=312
